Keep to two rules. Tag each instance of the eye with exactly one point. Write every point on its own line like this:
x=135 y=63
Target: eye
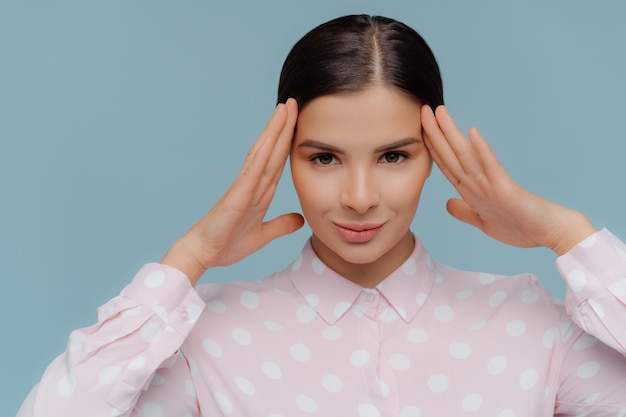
x=324 y=159
x=393 y=157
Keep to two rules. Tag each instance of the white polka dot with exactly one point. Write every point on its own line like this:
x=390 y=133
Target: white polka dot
x=462 y=295
x=389 y=315
x=589 y=241
x=486 y=278
x=212 y=348
x=472 y=402
x=507 y=413
x=305 y=314
x=417 y=336
x=312 y=299
x=620 y=252
x=161 y=312
x=438 y=278
x=359 y=358
x=566 y=330
x=191 y=390
x=297 y=263
x=150 y=331
x=444 y=314
x=224 y=403
x=497 y=298
x=384 y=388
x=420 y=298
x=528 y=379
x=332 y=383
x=332 y=333
x=157 y=379
x=597 y=307
x=460 y=350
x=272 y=370
x=368 y=410
x=116 y=413
x=109 y=375
x=576 y=279
x=66 y=386
x=585 y=342
x=318 y=266
x=530 y=297
x=429 y=262
x=249 y=300
x=131 y=312
x=592 y=398
x=216 y=306
x=155 y=279
x=621 y=412
x=306 y=404
x=410 y=411
x=618 y=289
x=271 y=325
x=588 y=369
x=193 y=312
x=341 y=308
x=409 y=267
x=245 y=386
x=400 y=362
x=76 y=342
x=359 y=310
x=496 y=365
x=152 y=410
x=137 y=363
x=300 y=352
x=549 y=337
x=516 y=328
x=242 y=336
x=478 y=325
x=438 y=383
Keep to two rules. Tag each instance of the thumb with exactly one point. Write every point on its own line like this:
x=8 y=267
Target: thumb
x=282 y=225
x=462 y=211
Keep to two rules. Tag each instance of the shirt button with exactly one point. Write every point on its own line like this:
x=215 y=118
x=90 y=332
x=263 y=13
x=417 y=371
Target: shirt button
x=184 y=315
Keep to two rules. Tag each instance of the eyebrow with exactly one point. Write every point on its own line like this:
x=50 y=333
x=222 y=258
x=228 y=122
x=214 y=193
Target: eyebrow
x=310 y=143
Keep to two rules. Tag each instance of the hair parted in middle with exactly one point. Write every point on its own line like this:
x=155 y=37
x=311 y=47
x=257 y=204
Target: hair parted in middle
x=351 y=53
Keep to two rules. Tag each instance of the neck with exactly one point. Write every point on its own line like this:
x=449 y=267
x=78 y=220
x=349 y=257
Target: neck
x=367 y=275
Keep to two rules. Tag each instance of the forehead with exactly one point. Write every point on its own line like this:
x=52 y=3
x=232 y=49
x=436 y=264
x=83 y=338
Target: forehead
x=375 y=115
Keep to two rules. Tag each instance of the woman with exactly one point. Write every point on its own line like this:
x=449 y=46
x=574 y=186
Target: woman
x=364 y=322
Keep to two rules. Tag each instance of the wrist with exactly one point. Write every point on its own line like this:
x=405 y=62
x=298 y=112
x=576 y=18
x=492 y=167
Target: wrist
x=181 y=257
x=574 y=229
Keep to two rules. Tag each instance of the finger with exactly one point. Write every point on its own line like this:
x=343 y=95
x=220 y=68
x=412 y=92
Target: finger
x=283 y=144
x=272 y=131
x=438 y=148
x=490 y=162
x=462 y=211
x=463 y=149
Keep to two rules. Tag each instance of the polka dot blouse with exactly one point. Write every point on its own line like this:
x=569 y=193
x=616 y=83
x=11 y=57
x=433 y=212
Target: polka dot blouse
x=428 y=341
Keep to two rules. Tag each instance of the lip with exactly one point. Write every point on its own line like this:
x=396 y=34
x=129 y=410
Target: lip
x=358 y=233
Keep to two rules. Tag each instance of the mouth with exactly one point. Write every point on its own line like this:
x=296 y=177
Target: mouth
x=358 y=233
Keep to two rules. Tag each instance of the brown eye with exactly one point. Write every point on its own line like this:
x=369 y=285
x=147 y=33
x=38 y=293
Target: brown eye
x=392 y=157
x=324 y=159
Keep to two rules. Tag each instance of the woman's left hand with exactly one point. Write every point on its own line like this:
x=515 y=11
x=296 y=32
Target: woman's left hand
x=490 y=200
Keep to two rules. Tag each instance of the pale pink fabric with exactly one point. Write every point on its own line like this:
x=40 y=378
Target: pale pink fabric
x=428 y=341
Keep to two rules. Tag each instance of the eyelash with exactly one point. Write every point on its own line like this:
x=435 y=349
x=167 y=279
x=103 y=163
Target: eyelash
x=316 y=158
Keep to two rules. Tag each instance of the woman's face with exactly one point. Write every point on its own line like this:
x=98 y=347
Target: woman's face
x=359 y=164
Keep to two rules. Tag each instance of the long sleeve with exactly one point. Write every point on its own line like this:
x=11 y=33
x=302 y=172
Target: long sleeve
x=595 y=273
x=106 y=367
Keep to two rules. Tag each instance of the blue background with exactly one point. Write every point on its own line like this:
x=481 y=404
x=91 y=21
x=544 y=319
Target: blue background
x=122 y=122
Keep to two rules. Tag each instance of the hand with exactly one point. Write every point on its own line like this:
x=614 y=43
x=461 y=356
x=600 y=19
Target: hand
x=235 y=228
x=490 y=200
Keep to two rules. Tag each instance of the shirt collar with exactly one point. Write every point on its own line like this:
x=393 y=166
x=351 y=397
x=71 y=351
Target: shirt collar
x=332 y=295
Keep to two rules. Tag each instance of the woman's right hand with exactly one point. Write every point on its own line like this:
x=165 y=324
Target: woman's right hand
x=235 y=228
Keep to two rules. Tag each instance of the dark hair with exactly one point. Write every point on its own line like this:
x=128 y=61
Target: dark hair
x=350 y=53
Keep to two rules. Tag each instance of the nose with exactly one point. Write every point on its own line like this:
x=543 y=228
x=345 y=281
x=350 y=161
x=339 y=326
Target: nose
x=359 y=191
